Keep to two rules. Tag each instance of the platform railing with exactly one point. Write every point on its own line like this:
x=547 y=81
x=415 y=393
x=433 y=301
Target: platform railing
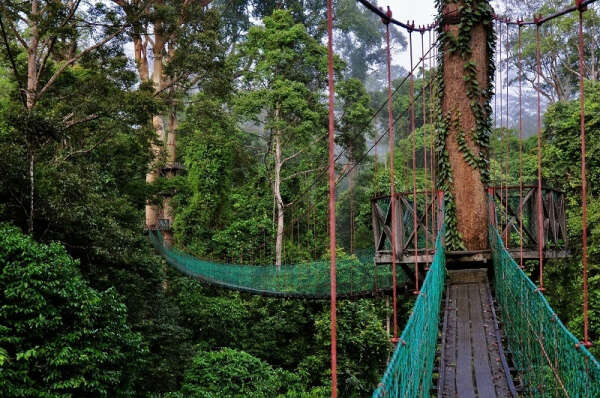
x=512 y=209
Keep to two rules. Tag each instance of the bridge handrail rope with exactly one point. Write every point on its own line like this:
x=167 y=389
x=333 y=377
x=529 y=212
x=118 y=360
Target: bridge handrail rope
x=409 y=373
x=549 y=359
x=356 y=277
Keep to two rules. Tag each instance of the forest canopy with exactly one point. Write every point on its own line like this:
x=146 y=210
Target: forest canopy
x=210 y=117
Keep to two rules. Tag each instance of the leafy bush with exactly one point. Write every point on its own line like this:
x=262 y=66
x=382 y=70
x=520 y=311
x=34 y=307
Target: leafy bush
x=62 y=338
x=234 y=373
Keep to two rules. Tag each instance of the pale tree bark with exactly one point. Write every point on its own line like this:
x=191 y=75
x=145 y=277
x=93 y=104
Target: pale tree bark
x=352 y=177
x=158 y=41
x=277 y=196
x=171 y=158
x=158 y=81
x=31 y=191
x=38 y=45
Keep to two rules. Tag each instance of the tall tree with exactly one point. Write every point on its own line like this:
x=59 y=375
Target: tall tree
x=354 y=127
x=179 y=39
x=283 y=73
x=50 y=34
x=465 y=88
x=62 y=338
x=558 y=47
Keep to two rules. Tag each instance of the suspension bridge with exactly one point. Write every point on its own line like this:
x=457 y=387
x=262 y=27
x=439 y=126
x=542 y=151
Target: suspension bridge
x=480 y=327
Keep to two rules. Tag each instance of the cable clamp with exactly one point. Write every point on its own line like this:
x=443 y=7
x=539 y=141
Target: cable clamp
x=580 y=6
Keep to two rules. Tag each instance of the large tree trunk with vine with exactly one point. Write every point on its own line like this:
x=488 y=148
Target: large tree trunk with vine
x=466 y=153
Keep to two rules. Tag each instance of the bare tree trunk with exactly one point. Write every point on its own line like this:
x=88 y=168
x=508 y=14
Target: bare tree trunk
x=277 y=195
x=32 y=87
x=152 y=211
x=31 y=191
x=352 y=177
x=279 y=200
x=32 y=57
x=171 y=157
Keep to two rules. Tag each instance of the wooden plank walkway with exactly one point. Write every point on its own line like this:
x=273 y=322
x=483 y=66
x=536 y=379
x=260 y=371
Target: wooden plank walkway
x=472 y=362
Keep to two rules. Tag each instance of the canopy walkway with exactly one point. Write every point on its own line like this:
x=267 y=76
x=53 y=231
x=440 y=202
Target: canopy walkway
x=356 y=277
x=524 y=351
x=548 y=360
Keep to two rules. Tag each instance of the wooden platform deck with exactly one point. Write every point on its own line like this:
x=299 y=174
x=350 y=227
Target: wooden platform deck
x=472 y=362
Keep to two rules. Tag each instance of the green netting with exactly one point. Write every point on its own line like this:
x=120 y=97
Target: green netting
x=409 y=372
x=545 y=353
x=355 y=277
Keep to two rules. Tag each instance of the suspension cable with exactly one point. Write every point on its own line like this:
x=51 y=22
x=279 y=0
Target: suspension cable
x=500 y=127
x=332 y=245
x=507 y=149
x=539 y=20
x=433 y=199
x=414 y=163
x=425 y=154
x=540 y=212
x=391 y=145
x=520 y=67
x=304 y=193
x=378 y=140
x=586 y=338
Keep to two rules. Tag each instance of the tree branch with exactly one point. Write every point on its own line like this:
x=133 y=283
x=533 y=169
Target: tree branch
x=13 y=65
x=60 y=70
x=82 y=151
x=302 y=172
x=71 y=123
x=15 y=32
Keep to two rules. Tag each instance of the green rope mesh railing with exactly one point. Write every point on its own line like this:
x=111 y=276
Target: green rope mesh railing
x=409 y=372
x=548 y=358
x=358 y=276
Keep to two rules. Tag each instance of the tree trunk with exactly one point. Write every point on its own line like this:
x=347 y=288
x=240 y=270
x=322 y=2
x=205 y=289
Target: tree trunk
x=468 y=188
x=31 y=156
x=352 y=177
x=277 y=196
x=171 y=158
x=31 y=92
x=152 y=211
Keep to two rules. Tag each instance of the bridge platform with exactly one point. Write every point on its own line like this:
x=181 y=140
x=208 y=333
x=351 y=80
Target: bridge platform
x=472 y=361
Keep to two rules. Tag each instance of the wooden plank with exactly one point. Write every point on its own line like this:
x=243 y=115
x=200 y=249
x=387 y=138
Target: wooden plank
x=498 y=364
x=447 y=386
x=464 y=365
x=481 y=361
x=442 y=363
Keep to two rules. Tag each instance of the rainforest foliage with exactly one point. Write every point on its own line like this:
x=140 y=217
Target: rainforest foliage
x=95 y=95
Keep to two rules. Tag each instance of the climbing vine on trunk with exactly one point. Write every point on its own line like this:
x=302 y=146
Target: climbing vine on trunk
x=470 y=14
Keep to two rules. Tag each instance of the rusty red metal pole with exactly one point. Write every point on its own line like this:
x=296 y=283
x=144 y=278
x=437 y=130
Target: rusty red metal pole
x=433 y=184
x=500 y=124
x=586 y=337
x=496 y=102
x=506 y=155
x=520 y=152
x=414 y=164
x=540 y=212
x=425 y=190
x=332 y=201
x=391 y=145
